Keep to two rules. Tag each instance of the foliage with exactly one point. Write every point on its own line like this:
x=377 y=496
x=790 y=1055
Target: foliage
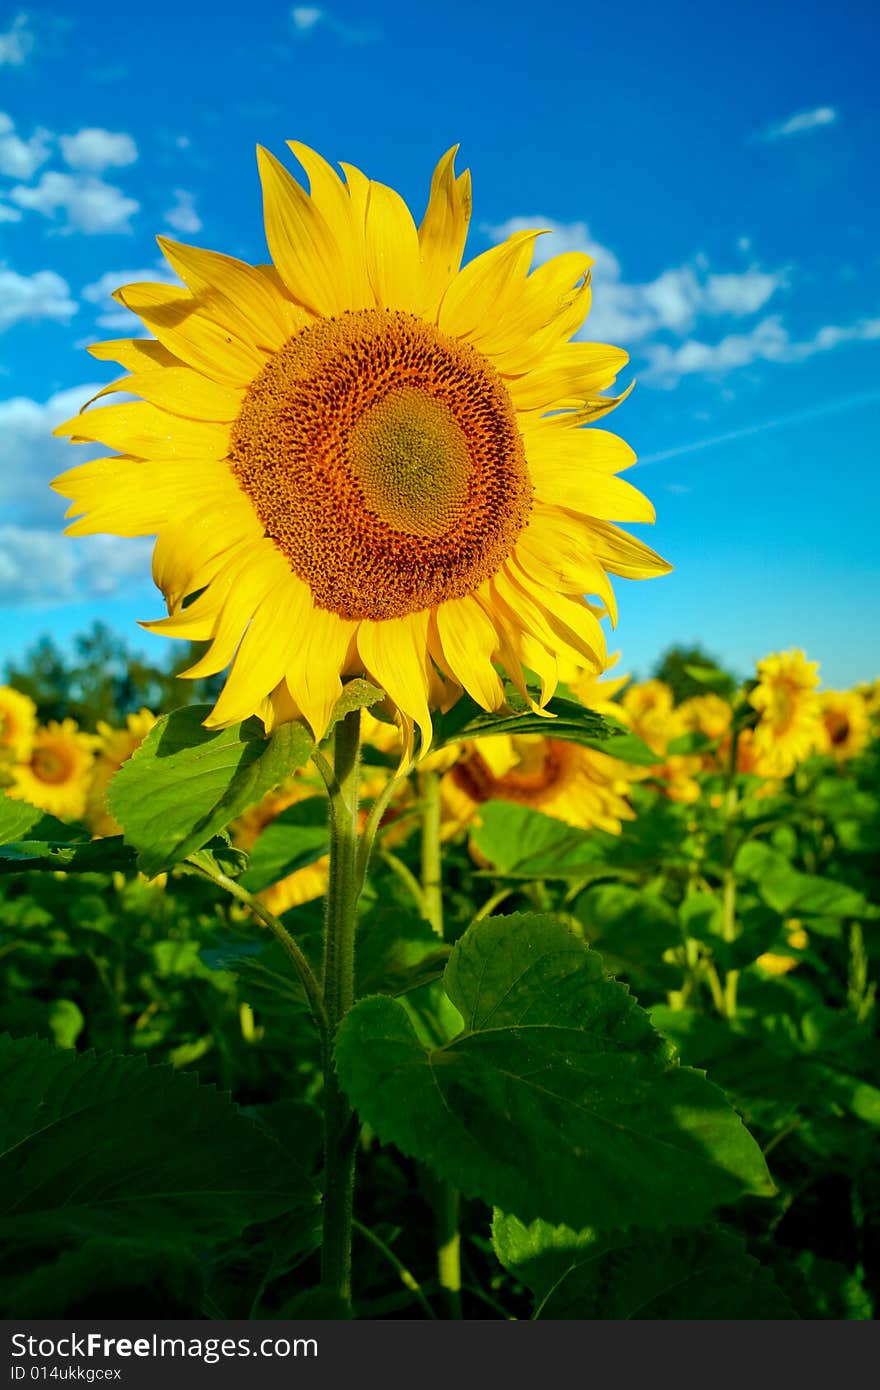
x=654 y=1054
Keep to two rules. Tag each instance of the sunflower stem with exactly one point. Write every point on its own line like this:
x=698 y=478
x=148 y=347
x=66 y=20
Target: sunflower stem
x=446 y=1200
x=340 y=1130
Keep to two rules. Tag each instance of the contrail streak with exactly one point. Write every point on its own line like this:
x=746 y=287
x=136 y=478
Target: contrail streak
x=800 y=417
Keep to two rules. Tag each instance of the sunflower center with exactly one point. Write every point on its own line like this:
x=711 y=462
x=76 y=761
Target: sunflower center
x=837 y=725
x=50 y=765
x=542 y=765
x=384 y=461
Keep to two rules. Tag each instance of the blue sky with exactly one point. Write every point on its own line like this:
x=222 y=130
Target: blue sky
x=718 y=162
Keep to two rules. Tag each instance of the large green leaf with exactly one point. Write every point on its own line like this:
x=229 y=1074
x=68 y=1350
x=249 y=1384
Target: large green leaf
x=106 y=1146
x=563 y=719
x=297 y=837
x=19 y=820
x=675 y=1276
x=557 y=1099
x=788 y=891
x=519 y=842
x=185 y=782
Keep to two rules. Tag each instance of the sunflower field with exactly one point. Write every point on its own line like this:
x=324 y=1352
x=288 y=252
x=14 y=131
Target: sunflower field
x=429 y=966
x=613 y=1053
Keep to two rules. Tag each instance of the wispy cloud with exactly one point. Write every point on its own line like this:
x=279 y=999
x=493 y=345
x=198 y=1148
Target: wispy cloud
x=308 y=19
x=30 y=457
x=768 y=341
x=801 y=123
x=183 y=216
x=672 y=303
x=86 y=203
x=36 y=569
x=43 y=295
x=94 y=149
x=17 y=42
x=798 y=417
x=20 y=158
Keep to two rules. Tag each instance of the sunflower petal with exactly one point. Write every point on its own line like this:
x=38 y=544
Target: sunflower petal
x=392 y=655
x=192 y=335
x=234 y=293
x=470 y=644
x=393 y=258
x=302 y=245
x=444 y=228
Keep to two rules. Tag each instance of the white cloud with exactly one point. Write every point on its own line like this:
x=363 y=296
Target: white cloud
x=801 y=123
x=183 y=216
x=673 y=302
x=768 y=341
x=305 y=17
x=20 y=159
x=40 y=565
x=43 y=295
x=30 y=457
x=89 y=204
x=16 y=43
x=93 y=150
x=8 y=214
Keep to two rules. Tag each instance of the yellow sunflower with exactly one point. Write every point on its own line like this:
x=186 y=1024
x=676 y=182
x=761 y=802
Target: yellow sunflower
x=706 y=714
x=777 y=964
x=114 y=747
x=648 y=710
x=364 y=458
x=789 y=723
x=561 y=779
x=845 y=724
x=55 y=776
x=18 y=723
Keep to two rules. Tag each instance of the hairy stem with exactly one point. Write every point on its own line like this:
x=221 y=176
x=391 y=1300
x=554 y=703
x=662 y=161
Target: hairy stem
x=446 y=1200
x=340 y=1131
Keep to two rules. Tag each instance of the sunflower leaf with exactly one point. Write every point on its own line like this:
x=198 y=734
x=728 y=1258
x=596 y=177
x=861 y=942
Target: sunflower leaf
x=356 y=694
x=557 y=1099
x=562 y=719
x=185 y=783
x=71 y=856
x=99 y=1146
x=679 y=1274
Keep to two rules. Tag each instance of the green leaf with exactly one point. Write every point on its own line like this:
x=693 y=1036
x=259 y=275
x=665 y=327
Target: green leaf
x=557 y=1099
x=675 y=1276
x=297 y=837
x=107 y=1146
x=397 y=952
x=568 y=720
x=356 y=694
x=522 y=843
x=185 y=782
x=788 y=891
x=72 y=856
x=107 y=1278
x=19 y=820
x=710 y=676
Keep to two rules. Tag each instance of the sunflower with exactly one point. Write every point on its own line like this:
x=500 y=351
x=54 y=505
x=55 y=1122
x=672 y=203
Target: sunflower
x=114 y=747
x=18 y=722
x=776 y=963
x=789 y=723
x=706 y=714
x=648 y=710
x=364 y=458
x=564 y=780
x=55 y=776
x=845 y=727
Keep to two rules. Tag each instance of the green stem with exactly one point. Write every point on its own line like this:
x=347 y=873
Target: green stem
x=447 y=1202
x=340 y=1129
x=284 y=939
x=408 y=1279
x=728 y=920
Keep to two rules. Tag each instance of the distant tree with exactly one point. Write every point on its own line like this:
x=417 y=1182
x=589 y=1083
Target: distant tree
x=672 y=665
x=104 y=679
